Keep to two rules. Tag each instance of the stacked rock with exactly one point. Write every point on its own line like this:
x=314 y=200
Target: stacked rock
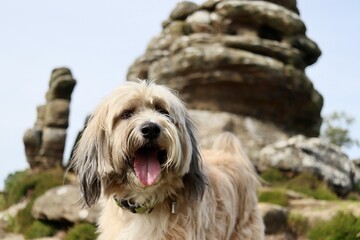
x=45 y=142
x=244 y=57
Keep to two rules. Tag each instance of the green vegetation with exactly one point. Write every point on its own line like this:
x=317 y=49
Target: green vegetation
x=278 y=197
x=30 y=185
x=274 y=176
x=312 y=186
x=3 y=204
x=82 y=231
x=344 y=226
x=39 y=229
x=298 y=224
x=305 y=183
x=22 y=221
x=335 y=129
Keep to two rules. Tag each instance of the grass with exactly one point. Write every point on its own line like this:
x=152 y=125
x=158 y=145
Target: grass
x=305 y=183
x=275 y=196
x=312 y=186
x=344 y=226
x=298 y=224
x=82 y=231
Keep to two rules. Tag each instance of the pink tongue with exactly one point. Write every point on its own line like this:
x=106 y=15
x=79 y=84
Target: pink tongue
x=147 y=166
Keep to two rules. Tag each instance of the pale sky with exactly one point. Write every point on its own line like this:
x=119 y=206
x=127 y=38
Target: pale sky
x=99 y=40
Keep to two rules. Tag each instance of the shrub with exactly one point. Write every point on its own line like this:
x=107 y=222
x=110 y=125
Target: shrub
x=344 y=226
x=274 y=196
x=21 y=184
x=14 y=187
x=82 y=231
x=39 y=229
x=3 y=204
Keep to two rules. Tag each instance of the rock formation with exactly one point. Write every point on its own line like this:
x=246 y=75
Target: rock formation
x=241 y=56
x=62 y=204
x=240 y=66
x=45 y=142
x=326 y=161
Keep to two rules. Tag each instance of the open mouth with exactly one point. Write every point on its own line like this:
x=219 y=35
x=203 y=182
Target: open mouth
x=147 y=163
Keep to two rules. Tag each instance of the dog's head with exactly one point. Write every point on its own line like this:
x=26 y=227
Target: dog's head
x=139 y=143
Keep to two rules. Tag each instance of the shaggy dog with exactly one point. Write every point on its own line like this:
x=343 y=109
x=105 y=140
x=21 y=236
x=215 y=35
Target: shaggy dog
x=139 y=154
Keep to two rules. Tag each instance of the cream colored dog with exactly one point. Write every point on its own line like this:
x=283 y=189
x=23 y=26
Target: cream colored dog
x=140 y=155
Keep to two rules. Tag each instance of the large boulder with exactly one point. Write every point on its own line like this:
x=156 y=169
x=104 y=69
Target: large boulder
x=299 y=154
x=63 y=204
x=243 y=57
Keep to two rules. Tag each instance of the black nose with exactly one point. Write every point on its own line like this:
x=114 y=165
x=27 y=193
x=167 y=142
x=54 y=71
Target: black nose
x=150 y=130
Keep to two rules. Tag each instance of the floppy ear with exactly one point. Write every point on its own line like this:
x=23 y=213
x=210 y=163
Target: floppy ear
x=194 y=181
x=88 y=153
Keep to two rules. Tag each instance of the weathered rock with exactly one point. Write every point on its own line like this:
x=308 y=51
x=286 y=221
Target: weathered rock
x=32 y=141
x=254 y=134
x=12 y=211
x=62 y=204
x=289 y=4
x=61 y=84
x=183 y=9
x=243 y=57
x=40 y=120
x=57 y=113
x=200 y=21
x=45 y=142
x=274 y=216
x=299 y=154
x=356 y=162
x=53 y=145
x=261 y=13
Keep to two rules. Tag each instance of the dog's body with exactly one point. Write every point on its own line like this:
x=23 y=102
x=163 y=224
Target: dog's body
x=140 y=148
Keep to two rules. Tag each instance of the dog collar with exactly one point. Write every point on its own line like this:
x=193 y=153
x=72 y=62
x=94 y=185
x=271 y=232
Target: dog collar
x=133 y=207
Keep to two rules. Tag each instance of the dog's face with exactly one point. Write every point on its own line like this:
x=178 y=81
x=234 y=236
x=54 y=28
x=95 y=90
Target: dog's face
x=139 y=143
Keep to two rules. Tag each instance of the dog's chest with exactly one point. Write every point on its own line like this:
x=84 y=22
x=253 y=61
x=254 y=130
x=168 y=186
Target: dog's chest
x=160 y=225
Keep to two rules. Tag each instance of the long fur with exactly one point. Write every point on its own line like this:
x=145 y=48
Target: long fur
x=214 y=190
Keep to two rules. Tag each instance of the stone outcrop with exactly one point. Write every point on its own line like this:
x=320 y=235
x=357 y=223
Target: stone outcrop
x=63 y=204
x=254 y=134
x=274 y=216
x=45 y=142
x=300 y=154
x=241 y=56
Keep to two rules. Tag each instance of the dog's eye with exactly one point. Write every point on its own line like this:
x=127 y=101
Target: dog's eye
x=126 y=114
x=162 y=111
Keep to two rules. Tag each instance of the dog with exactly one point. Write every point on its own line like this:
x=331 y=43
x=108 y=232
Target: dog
x=139 y=154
